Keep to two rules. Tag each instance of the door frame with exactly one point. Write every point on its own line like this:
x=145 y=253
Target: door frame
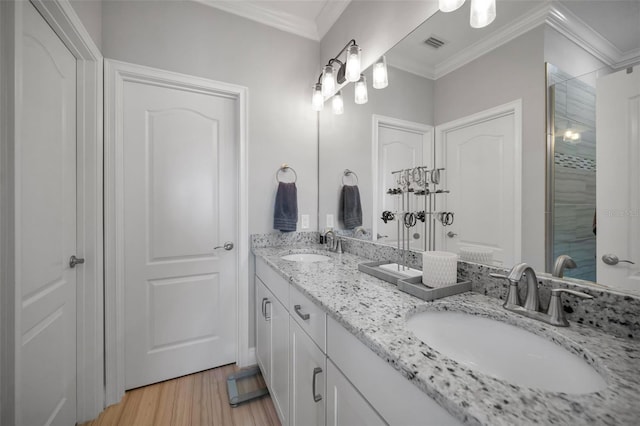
x=511 y=108
x=116 y=74
x=376 y=122
x=62 y=18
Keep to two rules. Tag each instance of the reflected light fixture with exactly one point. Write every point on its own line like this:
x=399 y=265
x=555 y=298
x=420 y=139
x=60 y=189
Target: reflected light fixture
x=450 y=5
x=380 y=76
x=483 y=12
x=361 y=96
x=571 y=137
x=337 y=103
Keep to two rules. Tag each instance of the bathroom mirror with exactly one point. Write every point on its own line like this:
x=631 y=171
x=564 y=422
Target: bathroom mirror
x=481 y=75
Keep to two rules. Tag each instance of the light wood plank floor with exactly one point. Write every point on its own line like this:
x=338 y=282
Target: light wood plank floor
x=196 y=400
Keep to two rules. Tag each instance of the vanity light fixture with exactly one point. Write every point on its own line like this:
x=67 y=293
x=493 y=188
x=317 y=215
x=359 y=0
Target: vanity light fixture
x=361 y=96
x=337 y=103
x=347 y=70
x=380 y=75
x=483 y=12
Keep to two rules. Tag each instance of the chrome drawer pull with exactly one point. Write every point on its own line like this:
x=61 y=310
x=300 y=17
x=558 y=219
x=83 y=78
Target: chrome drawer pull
x=316 y=398
x=300 y=314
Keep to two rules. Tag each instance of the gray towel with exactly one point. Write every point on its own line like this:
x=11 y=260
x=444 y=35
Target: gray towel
x=350 y=206
x=285 y=215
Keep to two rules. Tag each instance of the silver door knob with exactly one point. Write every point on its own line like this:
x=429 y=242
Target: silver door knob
x=612 y=259
x=227 y=246
x=451 y=234
x=73 y=261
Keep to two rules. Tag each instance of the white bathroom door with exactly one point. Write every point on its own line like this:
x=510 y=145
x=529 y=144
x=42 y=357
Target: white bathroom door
x=401 y=145
x=179 y=200
x=482 y=171
x=46 y=228
x=618 y=177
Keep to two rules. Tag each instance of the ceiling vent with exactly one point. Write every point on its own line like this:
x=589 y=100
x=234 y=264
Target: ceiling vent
x=434 y=42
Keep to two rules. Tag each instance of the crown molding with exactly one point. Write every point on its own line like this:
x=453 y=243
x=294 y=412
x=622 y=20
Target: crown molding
x=531 y=20
x=557 y=17
x=329 y=15
x=283 y=21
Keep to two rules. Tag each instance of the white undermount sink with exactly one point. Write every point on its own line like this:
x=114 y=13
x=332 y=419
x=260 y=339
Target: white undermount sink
x=306 y=257
x=506 y=352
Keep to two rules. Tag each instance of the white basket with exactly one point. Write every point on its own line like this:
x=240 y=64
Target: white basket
x=439 y=268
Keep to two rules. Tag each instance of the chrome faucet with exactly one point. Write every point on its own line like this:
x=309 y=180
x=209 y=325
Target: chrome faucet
x=531 y=308
x=332 y=235
x=563 y=261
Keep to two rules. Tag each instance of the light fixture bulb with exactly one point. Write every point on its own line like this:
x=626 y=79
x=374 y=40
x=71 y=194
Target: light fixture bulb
x=449 y=5
x=352 y=73
x=380 y=77
x=317 y=100
x=361 y=96
x=337 y=103
x=328 y=81
x=483 y=12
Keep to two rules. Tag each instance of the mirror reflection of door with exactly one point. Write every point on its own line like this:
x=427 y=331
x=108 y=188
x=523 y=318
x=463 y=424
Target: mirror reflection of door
x=618 y=175
x=400 y=145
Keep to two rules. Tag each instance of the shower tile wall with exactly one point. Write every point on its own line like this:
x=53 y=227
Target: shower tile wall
x=575 y=174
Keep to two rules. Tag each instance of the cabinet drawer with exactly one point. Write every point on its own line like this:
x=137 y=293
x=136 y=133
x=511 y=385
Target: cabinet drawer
x=311 y=318
x=274 y=282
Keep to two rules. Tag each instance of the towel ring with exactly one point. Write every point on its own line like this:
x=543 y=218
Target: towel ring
x=283 y=169
x=348 y=172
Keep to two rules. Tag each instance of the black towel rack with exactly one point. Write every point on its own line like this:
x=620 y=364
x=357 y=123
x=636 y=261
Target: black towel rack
x=348 y=172
x=283 y=169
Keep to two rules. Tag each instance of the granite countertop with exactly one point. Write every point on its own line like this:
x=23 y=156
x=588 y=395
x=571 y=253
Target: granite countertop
x=376 y=311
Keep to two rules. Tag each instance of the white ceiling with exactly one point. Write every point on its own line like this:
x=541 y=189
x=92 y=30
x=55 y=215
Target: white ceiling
x=307 y=18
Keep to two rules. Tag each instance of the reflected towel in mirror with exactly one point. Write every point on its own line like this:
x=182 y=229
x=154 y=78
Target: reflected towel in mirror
x=350 y=206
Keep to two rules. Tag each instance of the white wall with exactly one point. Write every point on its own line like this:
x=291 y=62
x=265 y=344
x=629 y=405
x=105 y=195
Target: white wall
x=345 y=140
x=512 y=71
x=278 y=68
x=376 y=25
x=90 y=13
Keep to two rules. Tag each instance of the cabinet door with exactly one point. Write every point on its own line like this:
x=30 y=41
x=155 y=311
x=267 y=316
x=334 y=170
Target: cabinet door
x=263 y=330
x=308 y=377
x=345 y=405
x=280 y=359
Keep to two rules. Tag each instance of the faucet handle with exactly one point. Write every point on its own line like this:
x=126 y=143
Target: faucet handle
x=513 y=299
x=555 y=311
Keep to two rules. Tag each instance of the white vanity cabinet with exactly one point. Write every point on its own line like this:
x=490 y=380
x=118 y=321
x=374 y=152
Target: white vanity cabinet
x=272 y=347
x=345 y=405
x=319 y=374
x=308 y=378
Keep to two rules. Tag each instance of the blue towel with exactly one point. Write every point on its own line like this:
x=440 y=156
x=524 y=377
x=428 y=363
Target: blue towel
x=351 y=208
x=285 y=215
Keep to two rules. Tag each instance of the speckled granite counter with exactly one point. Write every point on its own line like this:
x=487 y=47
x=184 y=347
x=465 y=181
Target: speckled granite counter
x=375 y=312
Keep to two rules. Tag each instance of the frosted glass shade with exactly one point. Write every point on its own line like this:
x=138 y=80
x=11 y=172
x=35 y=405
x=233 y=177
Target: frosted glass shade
x=328 y=81
x=337 y=103
x=449 y=5
x=317 y=99
x=361 y=95
x=439 y=268
x=483 y=12
x=380 y=77
x=352 y=72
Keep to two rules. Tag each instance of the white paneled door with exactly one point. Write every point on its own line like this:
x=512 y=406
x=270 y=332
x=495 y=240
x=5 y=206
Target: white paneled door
x=46 y=228
x=481 y=157
x=618 y=177
x=180 y=203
